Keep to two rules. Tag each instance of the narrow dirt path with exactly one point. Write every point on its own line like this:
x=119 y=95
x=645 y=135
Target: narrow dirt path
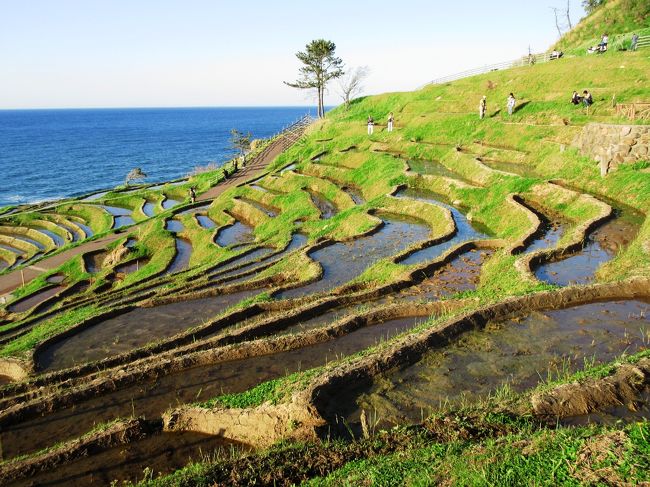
x=14 y=280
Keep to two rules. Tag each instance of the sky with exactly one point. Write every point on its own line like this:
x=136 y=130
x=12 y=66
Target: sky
x=166 y=53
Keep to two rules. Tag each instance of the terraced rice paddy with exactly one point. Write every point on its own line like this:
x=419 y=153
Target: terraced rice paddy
x=340 y=284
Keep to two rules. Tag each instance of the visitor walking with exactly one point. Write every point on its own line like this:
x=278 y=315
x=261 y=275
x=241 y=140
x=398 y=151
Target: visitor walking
x=511 y=103
x=635 y=40
x=482 y=107
x=587 y=99
x=575 y=98
x=192 y=195
x=391 y=119
x=371 y=125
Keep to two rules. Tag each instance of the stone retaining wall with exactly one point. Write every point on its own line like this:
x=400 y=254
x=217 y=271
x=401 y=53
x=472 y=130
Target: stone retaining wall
x=611 y=145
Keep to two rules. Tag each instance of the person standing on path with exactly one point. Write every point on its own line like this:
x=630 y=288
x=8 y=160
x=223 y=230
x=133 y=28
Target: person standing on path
x=511 y=103
x=371 y=125
x=482 y=107
x=192 y=195
x=391 y=119
x=635 y=40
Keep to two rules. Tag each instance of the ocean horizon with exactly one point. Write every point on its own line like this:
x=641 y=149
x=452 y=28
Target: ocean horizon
x=53 y=153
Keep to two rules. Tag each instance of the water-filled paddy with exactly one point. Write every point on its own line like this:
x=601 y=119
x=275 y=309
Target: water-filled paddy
x=519 y=352
x=151 y=398
x=464 y=230
x=135 y=328
x=236 y=233
x=344 y=261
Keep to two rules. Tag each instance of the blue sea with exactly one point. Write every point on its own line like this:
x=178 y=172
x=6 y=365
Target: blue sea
x=52 y=154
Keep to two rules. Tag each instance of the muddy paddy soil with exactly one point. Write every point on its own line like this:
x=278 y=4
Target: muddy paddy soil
x=434 y=168
x=519 y=352
x=134 y=329
x=613 y=414
x=343 y=261
x=151 y=398
x=601 y=246
x=326 y=207
x=160 y=453
x=267 y=210
x=355 y=194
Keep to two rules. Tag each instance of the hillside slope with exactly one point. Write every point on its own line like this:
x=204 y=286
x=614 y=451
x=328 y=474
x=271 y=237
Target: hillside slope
x=614 y=17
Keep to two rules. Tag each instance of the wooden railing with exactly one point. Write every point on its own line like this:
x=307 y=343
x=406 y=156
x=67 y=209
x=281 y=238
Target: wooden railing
x=634 y=111
x=644 y=41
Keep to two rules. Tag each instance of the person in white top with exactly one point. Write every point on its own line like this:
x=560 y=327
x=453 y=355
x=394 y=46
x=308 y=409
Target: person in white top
x=603 y=43
x=371 y=125
x=511 y=103
x=391 y=119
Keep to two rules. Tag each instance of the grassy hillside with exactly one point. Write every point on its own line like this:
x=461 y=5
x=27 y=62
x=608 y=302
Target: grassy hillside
x=618 y=18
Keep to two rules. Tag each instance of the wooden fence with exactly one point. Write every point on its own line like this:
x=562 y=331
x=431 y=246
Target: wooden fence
x=634 y=111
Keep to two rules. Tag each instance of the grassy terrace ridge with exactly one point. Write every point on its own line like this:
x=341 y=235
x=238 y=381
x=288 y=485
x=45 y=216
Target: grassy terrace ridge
x=439 y=145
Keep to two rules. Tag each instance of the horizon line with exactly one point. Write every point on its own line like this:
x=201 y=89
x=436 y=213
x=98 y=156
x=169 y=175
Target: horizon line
x=151 y=107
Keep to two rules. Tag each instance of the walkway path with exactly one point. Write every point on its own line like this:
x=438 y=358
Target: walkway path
x=13 y=280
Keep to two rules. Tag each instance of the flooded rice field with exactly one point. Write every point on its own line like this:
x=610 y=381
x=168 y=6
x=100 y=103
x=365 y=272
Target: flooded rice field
x=94 y=261
x=174 y=226
x=135 y=329
x=163 y=452
x=36 y=298
x=205 y=221
x=519 y=352
x=463 y=273
x=57 y=239
x=236 y=233
x=601 y=246
x=149 y=209
x=169 y=203
x=122 y=216
x=250 y=260
x=343 y=261
x=182 y=259
x=464 y=230
x=151 y=398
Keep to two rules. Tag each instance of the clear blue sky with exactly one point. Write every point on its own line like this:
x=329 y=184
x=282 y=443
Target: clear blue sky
x=120 y=53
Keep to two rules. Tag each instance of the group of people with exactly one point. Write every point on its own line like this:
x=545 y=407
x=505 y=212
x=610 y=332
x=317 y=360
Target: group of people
x=586 y=99
x=511 y=102
x=389 y=125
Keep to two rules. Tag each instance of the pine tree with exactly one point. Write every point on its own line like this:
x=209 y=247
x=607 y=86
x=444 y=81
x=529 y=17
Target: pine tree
x=320 y=66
